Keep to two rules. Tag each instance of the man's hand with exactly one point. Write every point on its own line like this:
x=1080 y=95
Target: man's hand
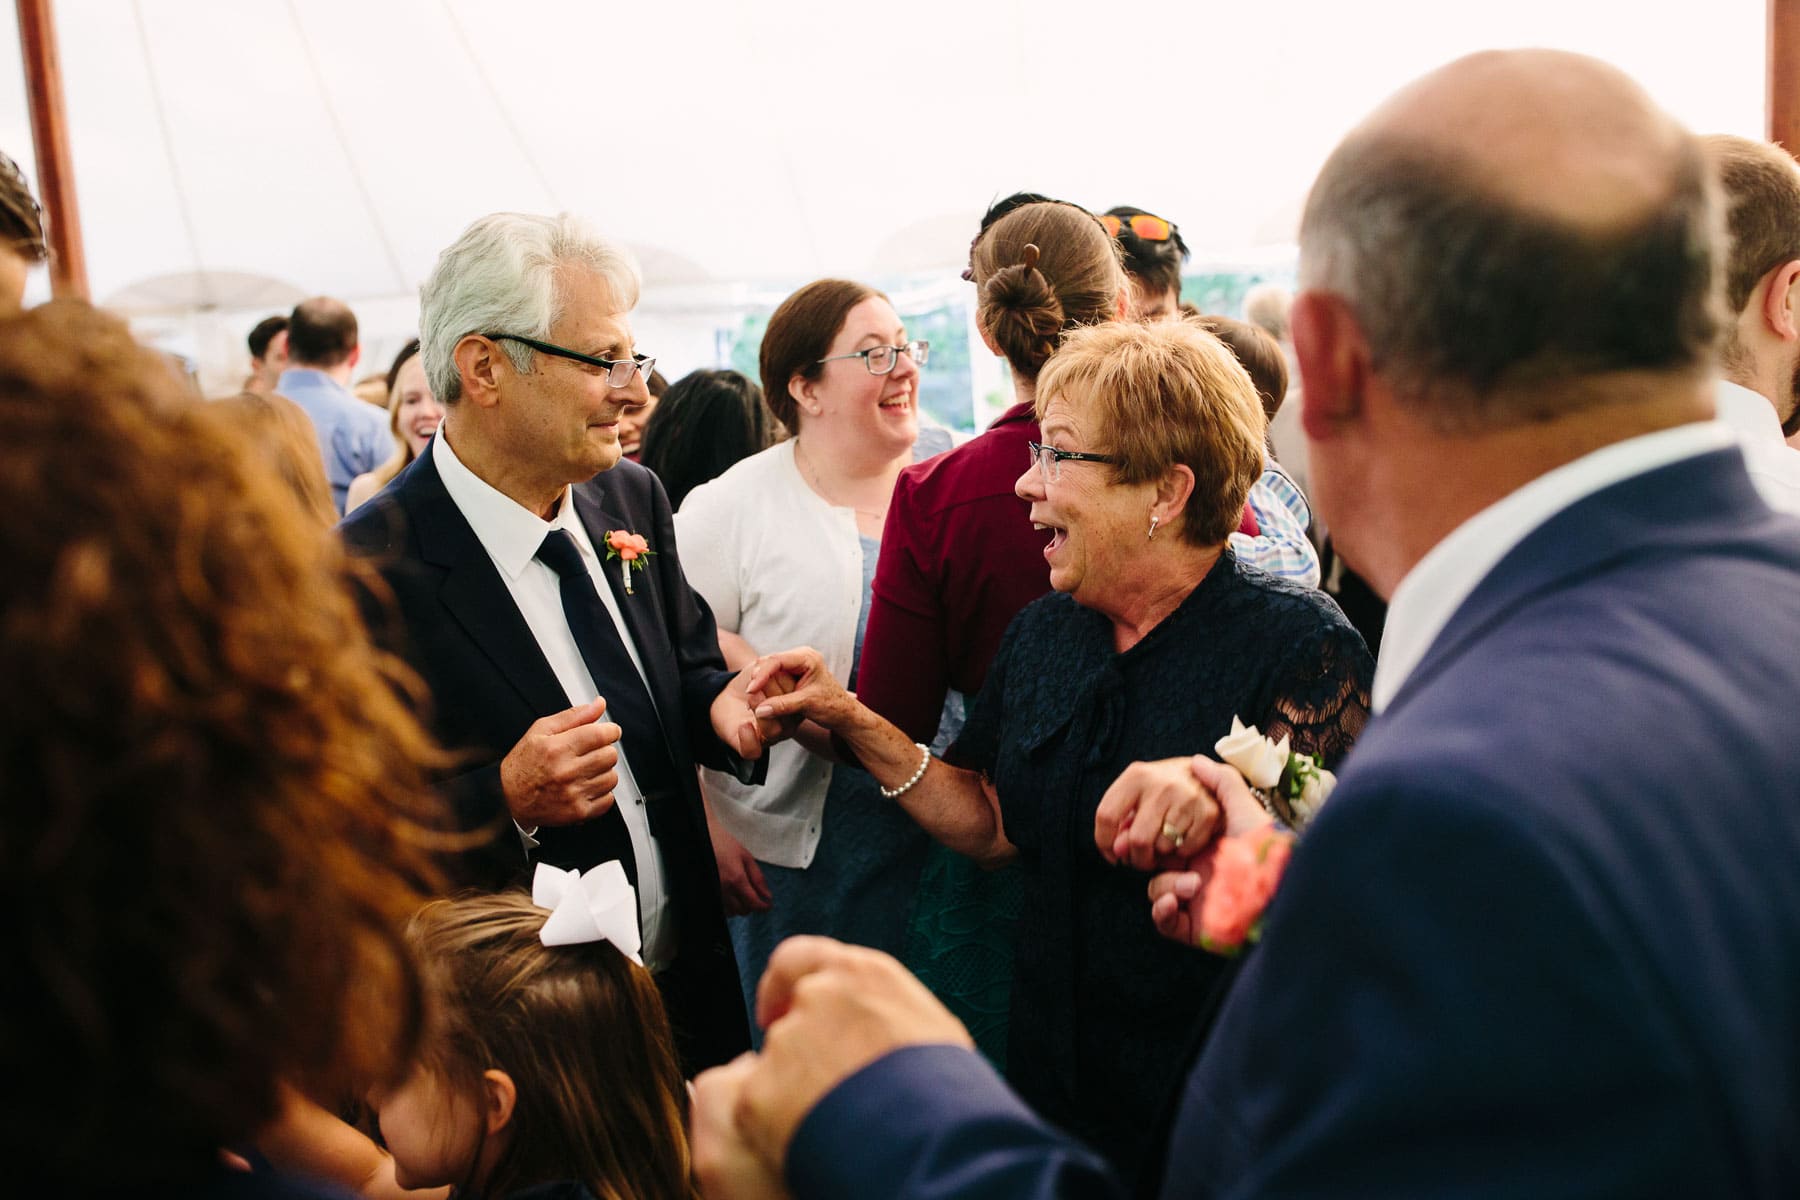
x=1176 y=896
x=797 y=684
x=734 y=715
x=741 y=882
x=724 y=1164
x=1155 y=816
x=827 y=1011
x=564 y=770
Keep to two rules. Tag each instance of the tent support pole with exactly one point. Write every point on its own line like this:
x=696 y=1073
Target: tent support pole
x=1783 y=79
x=50 y=133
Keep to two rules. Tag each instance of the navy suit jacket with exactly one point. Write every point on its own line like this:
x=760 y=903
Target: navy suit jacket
x=455 y=623
x=1545 y=938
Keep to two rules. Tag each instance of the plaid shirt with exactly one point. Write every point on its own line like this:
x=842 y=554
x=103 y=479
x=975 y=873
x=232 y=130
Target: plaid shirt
x=1281 y=547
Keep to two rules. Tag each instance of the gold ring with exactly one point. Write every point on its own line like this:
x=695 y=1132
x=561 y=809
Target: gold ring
x=1175 y=836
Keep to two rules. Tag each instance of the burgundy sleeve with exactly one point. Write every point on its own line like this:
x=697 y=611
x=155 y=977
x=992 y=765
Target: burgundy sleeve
x=903 y=675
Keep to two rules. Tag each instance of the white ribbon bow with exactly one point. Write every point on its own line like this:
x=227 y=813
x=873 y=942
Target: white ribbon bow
x=597 y=906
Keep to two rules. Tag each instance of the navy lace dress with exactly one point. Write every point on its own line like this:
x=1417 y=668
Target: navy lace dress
x=1103 y=1008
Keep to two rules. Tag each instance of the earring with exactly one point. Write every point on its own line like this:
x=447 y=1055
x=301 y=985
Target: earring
x=1152 y=533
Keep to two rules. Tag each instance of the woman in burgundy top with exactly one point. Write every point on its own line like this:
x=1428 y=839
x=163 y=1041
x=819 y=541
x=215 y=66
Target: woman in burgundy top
x=959 y=559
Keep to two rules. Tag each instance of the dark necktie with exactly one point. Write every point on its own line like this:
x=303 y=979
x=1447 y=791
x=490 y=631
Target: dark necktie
x=628 y=706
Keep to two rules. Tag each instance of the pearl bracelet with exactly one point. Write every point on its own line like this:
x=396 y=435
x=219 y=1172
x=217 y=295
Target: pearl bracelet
x=924 y=761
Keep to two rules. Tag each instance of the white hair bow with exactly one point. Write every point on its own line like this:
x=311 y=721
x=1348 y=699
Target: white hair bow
x=597 y=906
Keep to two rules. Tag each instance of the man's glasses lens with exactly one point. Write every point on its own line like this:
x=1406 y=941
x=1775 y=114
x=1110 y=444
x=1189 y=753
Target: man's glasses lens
x=619 y=374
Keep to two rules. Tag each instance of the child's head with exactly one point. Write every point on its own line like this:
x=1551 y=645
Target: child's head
x=542 y=1063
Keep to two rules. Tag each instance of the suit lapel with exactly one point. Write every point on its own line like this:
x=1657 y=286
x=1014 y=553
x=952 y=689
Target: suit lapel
x=1702 y=501
x=642 y=609
x=474 y=594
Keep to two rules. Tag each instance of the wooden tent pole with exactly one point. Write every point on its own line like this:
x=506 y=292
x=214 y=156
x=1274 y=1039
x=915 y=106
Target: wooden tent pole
x=1783 y=80
x=50 y=133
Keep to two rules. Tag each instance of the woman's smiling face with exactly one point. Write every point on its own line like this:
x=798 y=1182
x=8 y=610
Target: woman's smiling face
x=1096 y=524
x=877 y=410
x=416 y=412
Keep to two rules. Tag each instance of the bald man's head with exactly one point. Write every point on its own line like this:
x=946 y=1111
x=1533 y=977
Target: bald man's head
x=321 y=333
x=1513 y=223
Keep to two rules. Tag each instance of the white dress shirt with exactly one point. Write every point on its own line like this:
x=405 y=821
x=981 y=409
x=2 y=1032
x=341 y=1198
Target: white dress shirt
x=1439 y=583
x=511 y=535
x=1774 y=465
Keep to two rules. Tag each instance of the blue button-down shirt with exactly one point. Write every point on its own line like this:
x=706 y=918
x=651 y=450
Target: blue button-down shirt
x=353 y=434
x=1282 y=515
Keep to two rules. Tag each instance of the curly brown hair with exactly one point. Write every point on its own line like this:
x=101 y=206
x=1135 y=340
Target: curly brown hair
x=213 y=823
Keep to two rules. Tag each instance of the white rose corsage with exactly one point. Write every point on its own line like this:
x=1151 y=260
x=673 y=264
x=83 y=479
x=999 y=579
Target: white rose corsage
x=1291 y=785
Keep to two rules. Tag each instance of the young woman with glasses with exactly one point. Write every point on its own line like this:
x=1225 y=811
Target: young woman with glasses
x=782 y=546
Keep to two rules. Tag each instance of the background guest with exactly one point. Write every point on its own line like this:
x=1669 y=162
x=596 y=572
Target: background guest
x=1266 y=306
x=268 y=342
x=783 y=546
x=213 y=791
x=413 y=417
x=1154 y=253
x=1260 y=356
x=707 y=421
x=1152 y=437
x=322 y=352
x=632 y=420
x=1759 y=396
x=21 y=235
x=283 y=440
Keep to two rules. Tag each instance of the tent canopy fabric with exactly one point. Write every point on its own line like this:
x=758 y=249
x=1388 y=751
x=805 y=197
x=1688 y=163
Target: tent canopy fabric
x=232 y=154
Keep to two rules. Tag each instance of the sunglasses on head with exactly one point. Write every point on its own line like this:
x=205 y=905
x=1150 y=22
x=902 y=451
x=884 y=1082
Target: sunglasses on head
x=1143 y=225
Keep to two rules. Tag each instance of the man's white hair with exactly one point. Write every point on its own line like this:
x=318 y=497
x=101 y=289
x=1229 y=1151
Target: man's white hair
x=500 y=276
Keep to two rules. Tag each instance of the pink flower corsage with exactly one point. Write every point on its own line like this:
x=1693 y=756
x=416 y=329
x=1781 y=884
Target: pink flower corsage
x=630 y=549
x=1246 y=870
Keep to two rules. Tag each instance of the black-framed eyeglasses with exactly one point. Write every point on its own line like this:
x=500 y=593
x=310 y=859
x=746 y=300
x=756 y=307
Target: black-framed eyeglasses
x=1049 y=459
x=882 y=359
x=618 y=370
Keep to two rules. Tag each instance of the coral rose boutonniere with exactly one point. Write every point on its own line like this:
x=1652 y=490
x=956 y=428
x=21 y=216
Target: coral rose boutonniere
x=1291 y=785
x=630 y=549
x=1246 y=870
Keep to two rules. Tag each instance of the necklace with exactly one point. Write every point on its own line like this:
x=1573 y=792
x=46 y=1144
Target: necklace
x=825 y=493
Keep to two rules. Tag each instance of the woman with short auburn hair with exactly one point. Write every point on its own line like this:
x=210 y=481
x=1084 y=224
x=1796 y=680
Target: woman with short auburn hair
x=1157 y=636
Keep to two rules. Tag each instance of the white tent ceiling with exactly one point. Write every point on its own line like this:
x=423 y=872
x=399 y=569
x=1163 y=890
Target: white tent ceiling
x=232 y=154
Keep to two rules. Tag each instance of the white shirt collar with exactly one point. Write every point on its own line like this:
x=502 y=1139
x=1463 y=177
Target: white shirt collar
x=507 y=530
x=1749 y=413
x=1438 y=584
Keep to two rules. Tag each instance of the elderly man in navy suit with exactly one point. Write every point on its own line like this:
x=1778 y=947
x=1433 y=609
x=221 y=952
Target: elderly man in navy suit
x=572 y=672
x=1545 y=939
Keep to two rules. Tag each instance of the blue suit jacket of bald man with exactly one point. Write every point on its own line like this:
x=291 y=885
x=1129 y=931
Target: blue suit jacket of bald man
x=1544 y=940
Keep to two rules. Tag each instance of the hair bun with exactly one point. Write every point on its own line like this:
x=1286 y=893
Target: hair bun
x=1023 y=314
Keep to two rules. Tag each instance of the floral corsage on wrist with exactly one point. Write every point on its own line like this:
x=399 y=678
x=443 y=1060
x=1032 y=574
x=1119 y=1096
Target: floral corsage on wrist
x=1292 y=786
x=631 y=549
x=1247 y=867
